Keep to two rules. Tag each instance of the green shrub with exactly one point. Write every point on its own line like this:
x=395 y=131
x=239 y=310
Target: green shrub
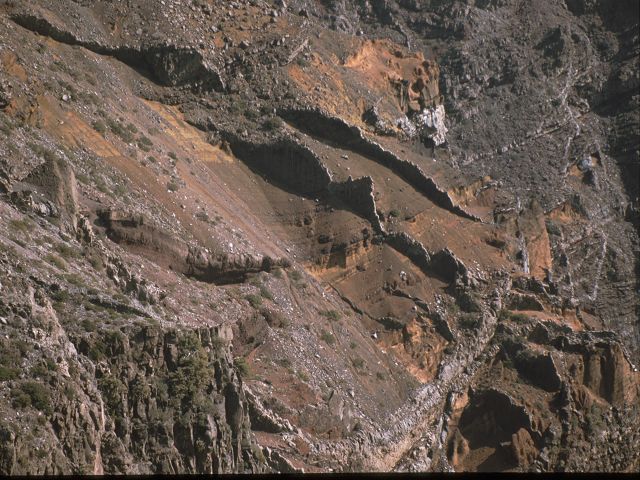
x=265 y=293
x=519 y=317
x=505 y=315
x=274 y=319
x=173 y=186
x=295 y=275
x=34 y=394
x=99 y=126
x=56 y=261
x=112 y=391
x=8 y=373
x=20 y=226
x=66 y=251
x=272 y=123
x=120 y=130
x=193 y=369
x=327 y=337
x=202 y=216
x=468 y=322
x=357 y=363
x=254 y=300
x=394 y=213
x=331 y=315
x=241 y=366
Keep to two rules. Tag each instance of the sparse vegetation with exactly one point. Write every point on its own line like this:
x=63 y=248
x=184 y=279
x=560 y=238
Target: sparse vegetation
x=468 y=321
x=173 y=186
x=202 y=216
x=505 y=315
x=120 y=130
x=99 y=126
x=272 y=123
x=294 y=275
x=327 y=337
x=274 y=318
x=254 y=300
x=332 y=315
x=21 y=226
x=56 y=261
x=66 y=251
x=145 y=143
x=241 y=366
x=34 y=394
x=8 y=373
x=265 y=293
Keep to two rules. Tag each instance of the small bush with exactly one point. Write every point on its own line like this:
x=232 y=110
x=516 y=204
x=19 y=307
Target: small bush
x=295 y=275
x=505 y=315
x=20 y=226
x=145 y=143
x=76 y=280
x=35 y=394
x=519 y=317
x=173 y=186
x=353 y=345
x=357 y=363
x=274 y=319
x=8 y=373
x=66 y=251
x=120 y=130
x=202 y=216
x=254 y=300
x=468 y=322
x=331 y=315
x=241 y=366
x=173 y=156
x=272 y=123
x=56 y=261
x=327 y=337
x=394 y=213
x=265 y=293
x=95 y=261
x=99 y=126
x=251 y=114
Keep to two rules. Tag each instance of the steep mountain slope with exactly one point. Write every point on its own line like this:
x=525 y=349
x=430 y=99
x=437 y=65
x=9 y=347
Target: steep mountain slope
x=318 y=236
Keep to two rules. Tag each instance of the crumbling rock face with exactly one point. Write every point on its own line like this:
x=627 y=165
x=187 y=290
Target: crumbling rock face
x=358 y=195
x=288 y=163
x=166 y=65
x=405 y=291
x=49 y=190
x=126 y=400
x=223 y=268
x=431 y=125
x=337 y=131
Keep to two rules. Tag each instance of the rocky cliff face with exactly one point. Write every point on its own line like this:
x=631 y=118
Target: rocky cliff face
x=318 y=236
